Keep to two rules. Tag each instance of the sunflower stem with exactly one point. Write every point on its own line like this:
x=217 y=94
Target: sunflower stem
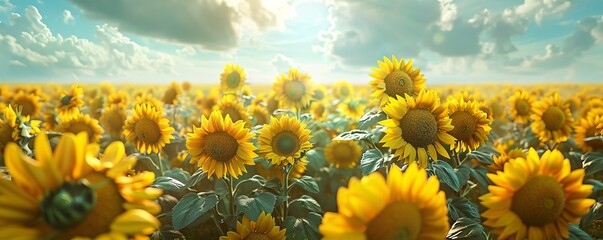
x=231 y=195
x=287 y=171
x=216 y=214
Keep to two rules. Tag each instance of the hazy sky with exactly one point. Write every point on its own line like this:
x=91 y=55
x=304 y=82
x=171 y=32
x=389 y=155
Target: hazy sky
x=452 y=41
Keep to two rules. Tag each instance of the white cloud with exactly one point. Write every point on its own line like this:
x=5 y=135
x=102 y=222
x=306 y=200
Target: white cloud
x=211 y=24
x=68 y=17
x=541 y=8
x=448 y=15
x=6 y=5
x=28 y=42
x=187 y=51
x=282 y=63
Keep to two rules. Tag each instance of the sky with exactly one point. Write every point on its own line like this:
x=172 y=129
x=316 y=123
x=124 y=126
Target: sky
x=159 y=41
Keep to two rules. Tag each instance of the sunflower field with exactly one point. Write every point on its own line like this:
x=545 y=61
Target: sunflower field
x=395 y=158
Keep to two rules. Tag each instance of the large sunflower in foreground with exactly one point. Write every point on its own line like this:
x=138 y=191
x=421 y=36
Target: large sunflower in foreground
x=405 y=206
x=418 y=126
x=264 y=228
x=343 y=153
x=72 y=194
x=28 y=102
x=588 y=128
x=232 y=78
x=283 y=140
x=395 y=78
x=294 y=89
x=536 y=197
x=70 y=102
x=83 y=123
x=471 y=125
x=521 y=106
x=147 y=129
x=552 y=119
x=220 y=146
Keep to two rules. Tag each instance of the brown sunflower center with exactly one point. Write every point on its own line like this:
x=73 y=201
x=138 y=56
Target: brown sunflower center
x=115 y=121
x=540 y=201
x=522 y=107
x=344 y=91
x=398 y=83
x=319 y=110
x=220 y=146
x=554 y=118
x=257 y=236
x=6 y=134
x=108 y=205
x=78 y=127
x=233 y=79
x=147 y=130
x=319 y=94
x=208 y=103
x=66 y=100
x=464 y=125
x=419 y=127
x=398 y=220
x=353 y=105
x=232 y=111
x=285 y=143
x=169 y=96
x=342 y=152
x=27 y=107
x=294 y=90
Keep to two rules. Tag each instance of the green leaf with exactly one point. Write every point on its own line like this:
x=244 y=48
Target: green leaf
x=316 y=159
x=462 y=173
x=462 y=207
x=306 y=117
x=280 y=111
x=371 y=118
x=447 y=175
x=483 y=154
x=178 y=174
x=597 y=187
x=578 y=234
x=595 y=213
x=592 y=162
x=354 y=135
x=254 y=206
x=466 y=228
x=594 y=138
x=303 y=228
x=191 y=207
x=246 y=186
x=305 y=202
x=479 y=175
x=198 y=176
x=371 y=161
x=307 y=183
x=167 y=183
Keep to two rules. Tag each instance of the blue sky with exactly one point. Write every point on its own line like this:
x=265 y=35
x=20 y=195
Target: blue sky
x=462 y=41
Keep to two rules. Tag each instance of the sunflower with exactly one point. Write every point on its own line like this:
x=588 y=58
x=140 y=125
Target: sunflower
x=352 y=109
x=9 y=130
x=150 y=100
x=198 y=102
x=230 y=106
x=395 y=78
x=83 y=123
x=28 y=102
x=209 y=102
x=272 y=103
x=186 y=86
x=113 y=119
x=106 y=88
x=294 y=90
x=505 y=156
x=283 y=140
x=95 y=107
x=172 y=93
x=343 y=153
x=471 y=125
x=72 y=194
x=320 y=92
x=405 y=206
x=521 y=105
x=70 y=102
x=418 y=126
x=259 y=114
x=593 y=103
x=318 y=110
x=264 y=228
x=232 y=78
x=220 y=146
x=536 y=197
x=588 y=128
x=342 y=90
x=552 y=119
x=119 y=99
x=147 y=129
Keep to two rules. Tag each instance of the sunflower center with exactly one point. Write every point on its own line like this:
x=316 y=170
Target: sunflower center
x=295 y=90
x=398 y=83
x=66 y=100
x=221 y=146
x=554 y=118
x=256 y=236
x=78 y=127
x=540 y=201
x=342 y=152
x=208 y=103
x=320 y=110
x=464 y=125
x=147 y=130
x=234 y=114
x=318 y=94
x=344 y=91
x=260 y=118
x=285 y=143
x=6 y=134
x=399 y=220
x=523 y=108
x=233 y=79
x=419 y=127
x=170 y=96
x=68 y=205
x=27 y=107
x=353 y=105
